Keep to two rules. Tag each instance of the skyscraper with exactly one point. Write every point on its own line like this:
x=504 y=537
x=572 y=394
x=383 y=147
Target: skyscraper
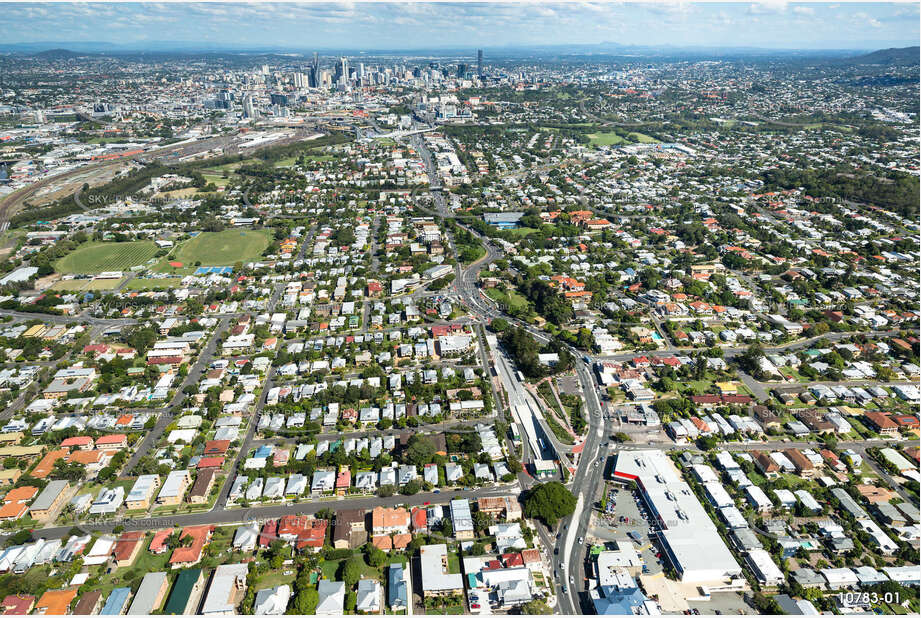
x=479 y=62
x=342 y=69
x=315 y=71
x=248 y=111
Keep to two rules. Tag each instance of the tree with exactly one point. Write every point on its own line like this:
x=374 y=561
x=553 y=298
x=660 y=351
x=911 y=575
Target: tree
x=306 y=601
x=498 y=325
x=351 y=570
x=549 y=502
x=375 y=556
x=420 y=450
x=536 y=607
x=411 y=488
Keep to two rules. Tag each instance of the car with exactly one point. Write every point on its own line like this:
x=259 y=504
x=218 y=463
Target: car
x=564 y=588
x=581 y=540
x=426 y=503
x=556 y=551
x=571 y=580
x=474 y=606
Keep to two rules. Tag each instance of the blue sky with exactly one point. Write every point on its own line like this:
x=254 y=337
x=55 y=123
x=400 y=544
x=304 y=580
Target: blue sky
x=370 y=26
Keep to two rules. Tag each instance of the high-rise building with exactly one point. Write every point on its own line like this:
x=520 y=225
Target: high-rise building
x=279 y=99
x=461 y=70
x=248 y=110
x=479 y=62
x=342 y=69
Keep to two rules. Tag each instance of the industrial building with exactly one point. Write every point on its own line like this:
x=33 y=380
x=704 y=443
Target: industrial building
x=688 y=536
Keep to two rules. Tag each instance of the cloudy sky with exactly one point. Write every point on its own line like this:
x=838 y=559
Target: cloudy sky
x=370 y=26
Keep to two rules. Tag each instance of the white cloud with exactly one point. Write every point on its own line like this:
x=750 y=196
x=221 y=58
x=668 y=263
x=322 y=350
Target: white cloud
x=768 y=6
x=804 y=10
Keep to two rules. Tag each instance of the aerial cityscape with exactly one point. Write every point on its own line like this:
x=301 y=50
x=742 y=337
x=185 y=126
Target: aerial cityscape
x=446 y=308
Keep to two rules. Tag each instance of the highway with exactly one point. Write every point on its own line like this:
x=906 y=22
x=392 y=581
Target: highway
x=567 y=560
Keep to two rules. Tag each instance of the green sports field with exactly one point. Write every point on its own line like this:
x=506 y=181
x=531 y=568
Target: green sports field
x=642 y=138
x=97 y=257
x=605 y=139
x=223 y=248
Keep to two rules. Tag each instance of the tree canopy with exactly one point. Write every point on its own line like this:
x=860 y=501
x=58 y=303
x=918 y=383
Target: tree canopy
x=549 y=502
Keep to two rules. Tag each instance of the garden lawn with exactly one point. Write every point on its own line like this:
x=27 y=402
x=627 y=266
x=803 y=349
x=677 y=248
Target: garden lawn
x=513 y=299
x=97 y=257
x=223 y=248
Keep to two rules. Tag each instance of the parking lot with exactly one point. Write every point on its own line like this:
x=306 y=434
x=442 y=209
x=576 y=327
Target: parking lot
x=627 y=523
x=568 y=385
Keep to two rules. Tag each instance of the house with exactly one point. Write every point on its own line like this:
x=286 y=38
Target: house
x=201 y=489
x=127 y=547
x=116 y=441
x=272 y=601
x=228 y=585
x=462 y=520
x=506 y=506
x=804 y=467
x=323 y=481
x=882 y=423
x=20 y=604
x=150 y=594
x=90 y=603
x=50 y=501
x=331 y=598
x=117 y=602
x=55 y=602
x=190 y=555
x=388 y=521
x=303 y=531
x=349 y=531
x=244 y=538
x=766 y=464
x=419 y=520
x=142 y=492
x=343 y=480
x=186 y=592
x=14 y=503
x=174 y=487
x=369 y=596
x=397 y=595
x=436 y=579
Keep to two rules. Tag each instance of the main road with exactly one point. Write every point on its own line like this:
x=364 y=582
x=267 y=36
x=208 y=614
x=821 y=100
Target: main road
x=587 y=478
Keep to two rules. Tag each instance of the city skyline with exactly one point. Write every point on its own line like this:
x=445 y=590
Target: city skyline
x=409 y=26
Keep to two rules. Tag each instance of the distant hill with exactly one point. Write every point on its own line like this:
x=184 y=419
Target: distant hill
x=897 y=56
x=60 y=54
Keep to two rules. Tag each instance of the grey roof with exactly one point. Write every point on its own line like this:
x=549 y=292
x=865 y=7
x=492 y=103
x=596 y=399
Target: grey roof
x=146 y=597
x=807 y=578
x=502 y=217
x=48 y=496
